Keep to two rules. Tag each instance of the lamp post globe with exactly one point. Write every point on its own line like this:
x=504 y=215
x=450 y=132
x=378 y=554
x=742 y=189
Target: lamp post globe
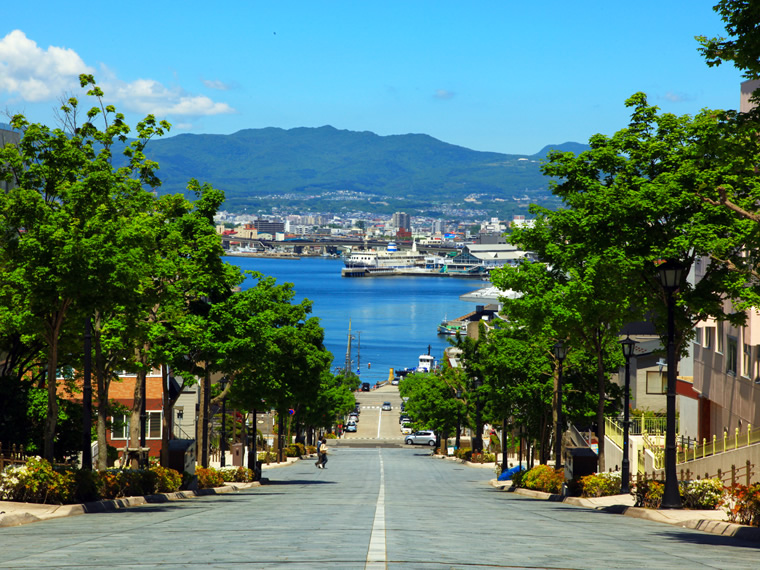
x=670 y=274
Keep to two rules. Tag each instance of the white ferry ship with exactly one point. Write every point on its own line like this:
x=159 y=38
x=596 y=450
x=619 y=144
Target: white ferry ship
x=392 y=258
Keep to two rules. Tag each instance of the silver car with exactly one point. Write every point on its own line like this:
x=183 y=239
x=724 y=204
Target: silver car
x=386 y=406
x=420 y=438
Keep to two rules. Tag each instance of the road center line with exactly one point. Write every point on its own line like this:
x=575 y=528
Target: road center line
x=379 y=422
x=376 y=557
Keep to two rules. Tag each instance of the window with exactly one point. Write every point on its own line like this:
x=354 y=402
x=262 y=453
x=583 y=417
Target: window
x=698 y=336
x=709 y=337
x=719 y=337
x=657 y=382
x=120 y=426
x=732 y=349
x=747 y=361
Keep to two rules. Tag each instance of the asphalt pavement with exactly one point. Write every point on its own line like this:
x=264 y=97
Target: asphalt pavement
x=376 y=508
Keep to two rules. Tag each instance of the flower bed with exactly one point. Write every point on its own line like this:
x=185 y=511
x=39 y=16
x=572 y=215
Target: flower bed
x=40 y=482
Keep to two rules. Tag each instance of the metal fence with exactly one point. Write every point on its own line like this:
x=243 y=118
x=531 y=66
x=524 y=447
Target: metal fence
x=719 y=444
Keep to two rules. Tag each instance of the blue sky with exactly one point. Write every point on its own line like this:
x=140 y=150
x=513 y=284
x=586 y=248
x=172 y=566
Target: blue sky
x=500 y=76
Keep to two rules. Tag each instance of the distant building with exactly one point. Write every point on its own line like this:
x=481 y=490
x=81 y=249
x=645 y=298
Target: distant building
x=268 y=226
x=402 y=221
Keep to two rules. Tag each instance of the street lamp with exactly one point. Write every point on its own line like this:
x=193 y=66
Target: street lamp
x=459 y=417
x=560 y=352
x=627 y=345
x=223 y=439
x=477 y=444
x=671 y=272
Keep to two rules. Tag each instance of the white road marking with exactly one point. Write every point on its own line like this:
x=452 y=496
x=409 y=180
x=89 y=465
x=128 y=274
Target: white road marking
x=379 y=422
x=376 y=556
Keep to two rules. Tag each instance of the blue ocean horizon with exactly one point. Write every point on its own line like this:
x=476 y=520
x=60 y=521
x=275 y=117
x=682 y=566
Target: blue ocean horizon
x=393 y=319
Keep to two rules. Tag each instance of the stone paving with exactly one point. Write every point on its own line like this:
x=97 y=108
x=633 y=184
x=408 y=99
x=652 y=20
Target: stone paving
x=371 y=508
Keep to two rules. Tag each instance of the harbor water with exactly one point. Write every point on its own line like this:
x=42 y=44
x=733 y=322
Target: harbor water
x=393 y=319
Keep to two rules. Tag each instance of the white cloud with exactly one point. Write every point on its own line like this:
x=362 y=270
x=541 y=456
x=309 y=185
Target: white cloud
x=35 y=75
x=443 y=94
x=677 y=97
x=216 y=84
x=150 y=96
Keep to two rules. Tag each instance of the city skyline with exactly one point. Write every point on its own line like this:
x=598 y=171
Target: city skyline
x=494 y=77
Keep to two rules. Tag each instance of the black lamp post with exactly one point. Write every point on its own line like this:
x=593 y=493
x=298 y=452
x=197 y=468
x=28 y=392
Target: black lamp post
x=223 y=439
x=459 y=417
x=670 y=279
x=477 y=443
x=627 y=345
x=560 y=352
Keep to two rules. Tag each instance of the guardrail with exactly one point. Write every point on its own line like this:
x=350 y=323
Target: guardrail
x=720 y=445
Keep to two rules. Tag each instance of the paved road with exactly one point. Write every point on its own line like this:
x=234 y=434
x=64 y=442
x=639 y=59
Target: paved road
x=372 y=508
x=375 y=423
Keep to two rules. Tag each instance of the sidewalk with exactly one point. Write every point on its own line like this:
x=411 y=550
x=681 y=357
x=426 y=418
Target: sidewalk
x=712 y=521
x=15 y=514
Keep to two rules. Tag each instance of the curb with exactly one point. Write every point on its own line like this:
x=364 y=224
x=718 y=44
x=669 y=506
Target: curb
x=58 y=511
x=722 y=528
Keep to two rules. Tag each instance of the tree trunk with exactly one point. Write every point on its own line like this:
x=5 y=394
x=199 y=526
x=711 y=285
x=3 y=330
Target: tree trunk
x=51 y=421
x=600 y=410
x=135 y=421
x=203 y=412
x=103 y=383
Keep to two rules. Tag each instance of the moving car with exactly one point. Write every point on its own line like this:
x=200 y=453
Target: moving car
x=386 y=406
x=394 y=382
x=365 y=386
x=420 y=438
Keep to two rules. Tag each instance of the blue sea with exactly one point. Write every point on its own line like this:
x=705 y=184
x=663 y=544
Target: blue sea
x=394 y=319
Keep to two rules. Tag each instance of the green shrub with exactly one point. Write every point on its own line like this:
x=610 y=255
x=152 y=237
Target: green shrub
x=37 y=482
x=648 y=494
x=237 y=474
x=166 y=480
x=208 y=477
x=744 y=504
x=600 y=484
x=267 y=456
x=543 y=478
x=88 y=486
x=517 y=479
x=702 y=494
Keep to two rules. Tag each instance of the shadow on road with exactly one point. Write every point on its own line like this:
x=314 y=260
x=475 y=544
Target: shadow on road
x=299 y=482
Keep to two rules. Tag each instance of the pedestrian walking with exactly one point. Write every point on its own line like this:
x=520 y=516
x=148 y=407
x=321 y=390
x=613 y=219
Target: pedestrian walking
x=323 y=453
x=319 y=454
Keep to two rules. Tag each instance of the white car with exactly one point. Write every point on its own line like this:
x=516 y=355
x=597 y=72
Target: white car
x=405 y=429
x=421 y=438
x=386 y=406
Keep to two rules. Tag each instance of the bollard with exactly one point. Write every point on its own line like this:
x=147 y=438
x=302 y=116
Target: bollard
x=749 y=430
x=733 y=476
x=736 y=439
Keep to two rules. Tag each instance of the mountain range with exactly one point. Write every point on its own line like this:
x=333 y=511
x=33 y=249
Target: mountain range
x=327 y=169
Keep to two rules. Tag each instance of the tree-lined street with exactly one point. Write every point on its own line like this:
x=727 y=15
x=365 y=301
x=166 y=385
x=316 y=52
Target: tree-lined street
x=415 y=511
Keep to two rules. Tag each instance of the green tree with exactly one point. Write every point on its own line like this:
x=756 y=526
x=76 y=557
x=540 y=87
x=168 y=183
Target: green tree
x=53 y=239
x=742 y=47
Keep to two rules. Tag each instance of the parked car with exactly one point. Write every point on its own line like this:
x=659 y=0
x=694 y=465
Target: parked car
x=406 y=429
x=350 y=427
x=420 y=438
x=353 y=416
x=394 y=382
x=386 y=406
x=404 y=418
x=365 y=386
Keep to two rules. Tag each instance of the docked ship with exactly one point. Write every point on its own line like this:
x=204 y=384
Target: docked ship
x=391 y=258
